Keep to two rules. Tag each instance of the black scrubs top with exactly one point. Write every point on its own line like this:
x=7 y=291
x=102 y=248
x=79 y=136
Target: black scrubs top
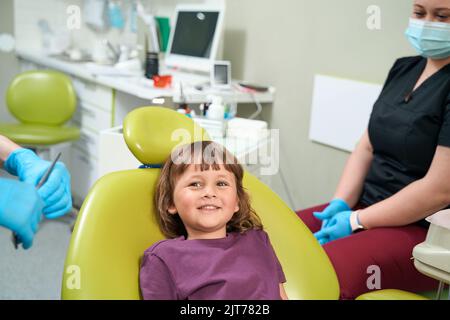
x=405 y=128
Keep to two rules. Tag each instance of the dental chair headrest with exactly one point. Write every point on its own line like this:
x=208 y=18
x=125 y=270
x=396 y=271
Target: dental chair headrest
x=152 y=132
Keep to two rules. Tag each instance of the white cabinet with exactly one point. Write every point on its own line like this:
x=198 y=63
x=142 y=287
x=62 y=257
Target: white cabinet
x=93 y=93
x=84 y=173
x=94 y=113
x=90 y=116
x=88 y=142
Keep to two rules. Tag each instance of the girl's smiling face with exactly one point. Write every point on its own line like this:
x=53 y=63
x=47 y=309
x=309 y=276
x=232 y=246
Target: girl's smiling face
x=205 y=201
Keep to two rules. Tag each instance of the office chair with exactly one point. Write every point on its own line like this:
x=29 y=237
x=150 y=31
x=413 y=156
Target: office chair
x=42 y=101
x=116 y=222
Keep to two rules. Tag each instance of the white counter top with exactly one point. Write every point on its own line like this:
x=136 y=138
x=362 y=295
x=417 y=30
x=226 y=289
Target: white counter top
x=141 y=87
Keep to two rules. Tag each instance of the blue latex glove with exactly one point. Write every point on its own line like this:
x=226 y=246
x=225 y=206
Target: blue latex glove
x=20 y=209
x=335 y=206
x=55 y=192
x=338 y=227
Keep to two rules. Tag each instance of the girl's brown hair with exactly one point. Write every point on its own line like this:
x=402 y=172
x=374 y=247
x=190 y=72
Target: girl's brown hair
x=202 y=154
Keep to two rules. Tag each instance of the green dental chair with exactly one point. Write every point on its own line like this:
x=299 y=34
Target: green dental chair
x=42 y=101
x=115 y=224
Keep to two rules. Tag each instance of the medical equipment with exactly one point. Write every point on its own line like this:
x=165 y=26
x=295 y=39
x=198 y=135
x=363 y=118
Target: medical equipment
x=432 y=257
x=216 y=110
x=221 y=75
x=15 y=238
x=194 y=41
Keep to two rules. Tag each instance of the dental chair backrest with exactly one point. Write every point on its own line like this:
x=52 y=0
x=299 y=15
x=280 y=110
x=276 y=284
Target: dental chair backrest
x=116 y=222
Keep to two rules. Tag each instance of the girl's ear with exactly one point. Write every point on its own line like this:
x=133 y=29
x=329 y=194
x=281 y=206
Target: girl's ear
x=236 y=208
x=172 y=209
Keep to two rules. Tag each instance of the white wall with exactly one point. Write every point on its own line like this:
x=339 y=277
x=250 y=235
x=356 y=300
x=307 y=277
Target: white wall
x=286 y=42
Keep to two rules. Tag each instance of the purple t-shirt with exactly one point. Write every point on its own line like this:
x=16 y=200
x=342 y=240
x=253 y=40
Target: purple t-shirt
x=237 y=267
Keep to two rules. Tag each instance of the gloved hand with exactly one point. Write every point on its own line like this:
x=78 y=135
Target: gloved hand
x=338 y=227
x=20 y=209
x=55 y=192
x=335 y=206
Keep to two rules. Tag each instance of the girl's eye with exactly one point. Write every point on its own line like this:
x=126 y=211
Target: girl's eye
x=442 y=17
x=194 y=184
x=222 y=183
x=419 y=14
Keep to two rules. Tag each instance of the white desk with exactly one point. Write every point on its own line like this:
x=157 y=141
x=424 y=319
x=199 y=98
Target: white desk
x=137 y=86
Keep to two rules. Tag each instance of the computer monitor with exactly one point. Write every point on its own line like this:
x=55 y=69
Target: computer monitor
x=195 y=37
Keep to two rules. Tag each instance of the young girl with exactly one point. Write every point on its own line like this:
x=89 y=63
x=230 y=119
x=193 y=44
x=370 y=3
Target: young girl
x=216 y=247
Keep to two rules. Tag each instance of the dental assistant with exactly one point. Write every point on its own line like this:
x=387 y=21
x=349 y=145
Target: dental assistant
x=399 y=173
x=21 y=205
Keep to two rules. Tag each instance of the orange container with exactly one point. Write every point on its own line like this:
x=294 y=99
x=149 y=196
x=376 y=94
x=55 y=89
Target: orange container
x=162 y=81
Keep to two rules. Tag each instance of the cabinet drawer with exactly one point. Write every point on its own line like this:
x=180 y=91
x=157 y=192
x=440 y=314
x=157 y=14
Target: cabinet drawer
x=89 y=116
x=88 y=142
x=93 y=93
x=84 y=172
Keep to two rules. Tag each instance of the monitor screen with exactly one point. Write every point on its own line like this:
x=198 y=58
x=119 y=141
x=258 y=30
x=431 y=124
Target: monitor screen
x=194 y=33
x=194 y=40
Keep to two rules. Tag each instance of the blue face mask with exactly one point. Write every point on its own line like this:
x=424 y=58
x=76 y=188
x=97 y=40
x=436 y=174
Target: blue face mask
x=430 y=39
